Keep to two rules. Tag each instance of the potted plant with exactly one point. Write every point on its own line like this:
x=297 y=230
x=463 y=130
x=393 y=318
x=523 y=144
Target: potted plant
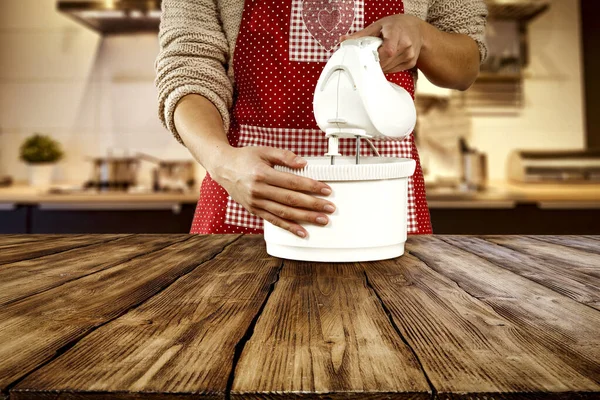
x=41 y=153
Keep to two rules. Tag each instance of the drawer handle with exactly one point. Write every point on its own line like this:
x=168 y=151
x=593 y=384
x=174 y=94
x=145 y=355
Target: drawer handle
x=7 y=206
x=574 y=205
x=174 y=207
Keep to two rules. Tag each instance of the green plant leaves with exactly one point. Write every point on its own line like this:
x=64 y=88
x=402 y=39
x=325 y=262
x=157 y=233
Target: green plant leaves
x=41 y=149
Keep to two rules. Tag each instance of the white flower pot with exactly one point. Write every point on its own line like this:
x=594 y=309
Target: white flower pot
x=40 y=175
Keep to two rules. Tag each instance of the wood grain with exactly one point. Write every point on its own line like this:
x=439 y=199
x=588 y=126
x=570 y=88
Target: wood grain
x=483 y=318
x=582 y=261
x=568 y=281
x=564 y=326
x=17 y=239
x=327 y=335
x=465 y=347
x=25 y=278
x=182 y=341
x=573 y=242
x=19 y=252
x=34 y=329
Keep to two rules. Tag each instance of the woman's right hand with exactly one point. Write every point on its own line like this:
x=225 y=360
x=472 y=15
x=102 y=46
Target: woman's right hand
x=280 y=198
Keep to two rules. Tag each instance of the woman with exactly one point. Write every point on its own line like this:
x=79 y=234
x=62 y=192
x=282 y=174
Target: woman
x=236 y=80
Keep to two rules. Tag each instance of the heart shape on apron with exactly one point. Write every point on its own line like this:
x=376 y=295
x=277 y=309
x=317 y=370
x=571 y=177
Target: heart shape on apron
x=327 y=20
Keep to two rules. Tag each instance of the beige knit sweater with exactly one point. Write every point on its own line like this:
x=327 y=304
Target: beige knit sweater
x=197 y=41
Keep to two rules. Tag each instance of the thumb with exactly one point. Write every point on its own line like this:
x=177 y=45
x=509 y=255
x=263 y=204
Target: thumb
x=372 y=30
x=282 y=157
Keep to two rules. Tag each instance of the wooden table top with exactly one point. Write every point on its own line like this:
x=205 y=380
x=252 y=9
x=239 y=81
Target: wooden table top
x=179 y=316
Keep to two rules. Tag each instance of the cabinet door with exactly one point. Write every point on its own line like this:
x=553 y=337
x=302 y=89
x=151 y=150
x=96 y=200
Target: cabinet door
x=112 y=218
x=13 y=218
x=524 y=219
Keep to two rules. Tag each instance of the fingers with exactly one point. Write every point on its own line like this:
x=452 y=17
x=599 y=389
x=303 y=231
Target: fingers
x=290 y=214
x=282 y=157
x=286 y=209
x=372 y=30
x=290 y=226
x=285 y=199
x=397 y=52
x=401 y=62
x=296 y=183
x=297 y=200
x=390 y=48
x=401 y=67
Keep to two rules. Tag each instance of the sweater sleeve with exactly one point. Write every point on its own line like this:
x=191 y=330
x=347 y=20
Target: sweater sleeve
x=192 y=57
x=468 y=17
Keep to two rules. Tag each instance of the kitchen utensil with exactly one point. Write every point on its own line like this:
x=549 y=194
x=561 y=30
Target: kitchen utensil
x=353 y=99
x=6 y=181
x=474 y=171
x=473 y=168
x=172 y=175
x=113 y=173
x=570 y=166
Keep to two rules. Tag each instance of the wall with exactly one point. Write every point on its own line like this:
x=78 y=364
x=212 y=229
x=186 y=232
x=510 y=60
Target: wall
x=89 y=92
x=552 y=116
x=591 y=37
x=93 y=93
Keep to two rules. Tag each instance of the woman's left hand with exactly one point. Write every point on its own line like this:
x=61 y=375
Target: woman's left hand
x=402 y=41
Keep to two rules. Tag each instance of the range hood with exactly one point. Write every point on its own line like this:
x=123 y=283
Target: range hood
x=114 y=16
x=516 y=10
x=131 y=16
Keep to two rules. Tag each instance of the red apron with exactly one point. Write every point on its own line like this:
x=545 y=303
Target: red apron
x=280 y=52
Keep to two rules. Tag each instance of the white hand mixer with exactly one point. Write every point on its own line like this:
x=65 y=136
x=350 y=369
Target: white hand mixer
x=353 y=99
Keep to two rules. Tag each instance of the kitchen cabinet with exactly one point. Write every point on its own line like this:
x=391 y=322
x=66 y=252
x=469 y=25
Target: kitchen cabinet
x=504 y=208
x=112 y=218
x=464 y=218
x=517 y=208
x=24 y=209
x=13 y=218
x=521 y=219
x=180 y=316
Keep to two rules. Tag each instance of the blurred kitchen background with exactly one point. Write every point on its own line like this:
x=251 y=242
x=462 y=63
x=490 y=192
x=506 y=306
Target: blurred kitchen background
x=514 y=154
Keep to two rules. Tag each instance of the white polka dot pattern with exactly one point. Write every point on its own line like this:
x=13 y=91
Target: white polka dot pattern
x=273 y=107
x=316 y=26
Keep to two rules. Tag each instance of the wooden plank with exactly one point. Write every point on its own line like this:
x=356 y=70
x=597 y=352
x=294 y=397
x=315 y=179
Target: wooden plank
x=564 y=326
x=567 y=281
x=25 y=278
x=587 y=263
x=12 y=240
x=466 y=348
x=182 y=341
x=34 y=329
x=328 y=336
x=574 y=242
x=46 y=247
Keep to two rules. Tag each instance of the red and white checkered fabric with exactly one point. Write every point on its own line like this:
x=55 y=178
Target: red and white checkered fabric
x=312 y=143
x=318 y=42
x=275 y=78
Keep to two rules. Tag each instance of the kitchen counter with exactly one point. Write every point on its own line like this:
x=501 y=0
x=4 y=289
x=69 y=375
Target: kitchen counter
x=499 y=194
x=503 y=194
x=23 y=194
x=178 y=316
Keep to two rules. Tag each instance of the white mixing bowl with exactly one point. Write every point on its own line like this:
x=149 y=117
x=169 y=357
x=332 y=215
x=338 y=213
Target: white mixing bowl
x=370 y=221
